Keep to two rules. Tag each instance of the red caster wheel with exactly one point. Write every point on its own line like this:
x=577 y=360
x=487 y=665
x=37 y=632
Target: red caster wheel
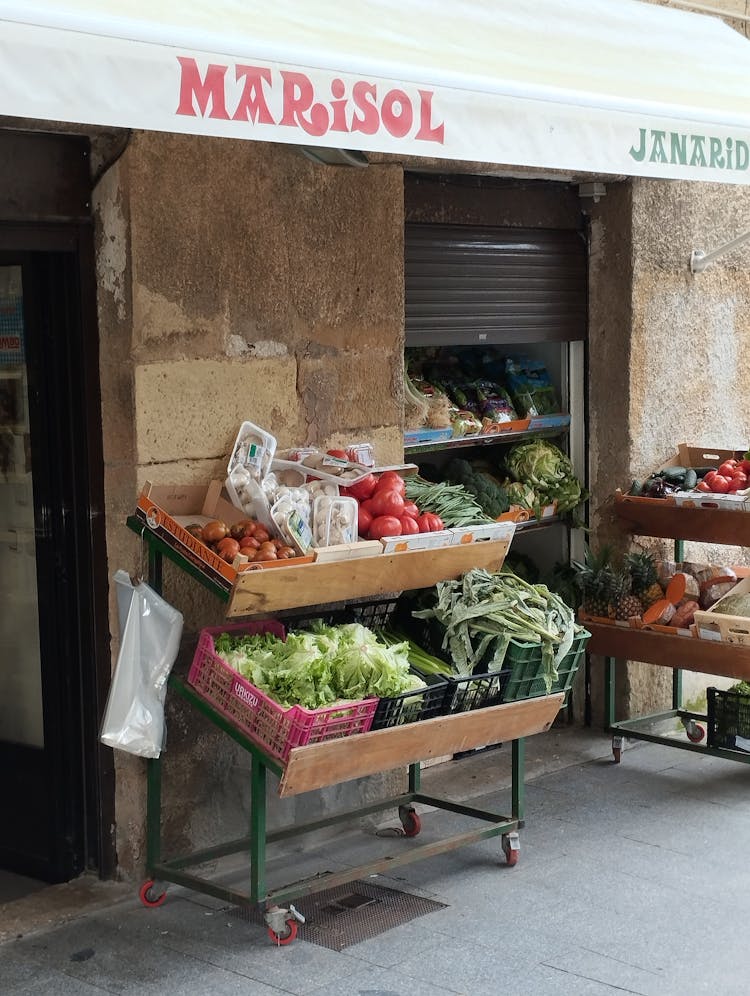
x=286 y=938
x=150 y=898
x=410 y=820
x=695 y=733
x=511 y=848
x=616 y=749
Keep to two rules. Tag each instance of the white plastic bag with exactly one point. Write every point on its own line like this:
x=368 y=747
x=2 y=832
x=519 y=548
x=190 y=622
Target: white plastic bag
x=150 y=632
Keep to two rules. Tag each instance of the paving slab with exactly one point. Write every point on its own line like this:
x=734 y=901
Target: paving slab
x=633 y=878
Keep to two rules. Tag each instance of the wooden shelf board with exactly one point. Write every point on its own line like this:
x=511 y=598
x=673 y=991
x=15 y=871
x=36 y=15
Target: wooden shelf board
x=704 y=525
x=309 y=584
x=330 y=762
x=705 y=656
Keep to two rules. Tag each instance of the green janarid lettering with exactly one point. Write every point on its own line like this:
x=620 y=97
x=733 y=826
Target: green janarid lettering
x=717 y=153
x=682 y=149
x=678 y=148
x=698 y=157
x=639 y=154
x=658 y=152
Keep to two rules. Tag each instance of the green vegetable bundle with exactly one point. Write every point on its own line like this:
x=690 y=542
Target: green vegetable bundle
x=482 y=612
x=452 y=502
x=540 y=465
x=489 y=493
x=327 y=664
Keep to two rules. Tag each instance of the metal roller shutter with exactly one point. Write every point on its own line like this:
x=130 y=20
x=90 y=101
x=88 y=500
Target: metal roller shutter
x=470 y=285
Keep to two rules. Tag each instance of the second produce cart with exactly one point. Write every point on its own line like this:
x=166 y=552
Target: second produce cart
x=660 y=518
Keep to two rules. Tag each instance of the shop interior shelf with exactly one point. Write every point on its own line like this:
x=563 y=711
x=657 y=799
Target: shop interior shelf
x=486 y=439
x=688 y=654
x=704 y=525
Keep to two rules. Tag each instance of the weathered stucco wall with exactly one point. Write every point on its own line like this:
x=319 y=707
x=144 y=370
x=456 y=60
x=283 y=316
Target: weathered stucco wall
x=238 y=281
x=669 y=353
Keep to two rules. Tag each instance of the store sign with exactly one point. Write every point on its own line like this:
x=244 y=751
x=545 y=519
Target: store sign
x=337 y=99
x=684 y=149
x=261 y=95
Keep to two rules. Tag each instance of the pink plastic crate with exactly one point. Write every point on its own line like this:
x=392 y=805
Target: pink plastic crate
x=273 y=728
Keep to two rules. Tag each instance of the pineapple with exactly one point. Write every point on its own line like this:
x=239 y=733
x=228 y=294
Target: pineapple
x=624 y=603
x=643 y=571
x=596 y=579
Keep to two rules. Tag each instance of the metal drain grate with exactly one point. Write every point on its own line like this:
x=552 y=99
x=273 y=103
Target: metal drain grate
x=348 y=914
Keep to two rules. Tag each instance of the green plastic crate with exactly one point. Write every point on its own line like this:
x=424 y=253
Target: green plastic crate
x=526 y=679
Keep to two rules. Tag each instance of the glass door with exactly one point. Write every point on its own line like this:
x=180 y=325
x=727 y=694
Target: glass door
x=45 y=573
x=21 y=717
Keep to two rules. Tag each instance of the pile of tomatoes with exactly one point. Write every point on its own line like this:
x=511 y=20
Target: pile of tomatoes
x=385 y=511
x=730 y=477
x=248 y=537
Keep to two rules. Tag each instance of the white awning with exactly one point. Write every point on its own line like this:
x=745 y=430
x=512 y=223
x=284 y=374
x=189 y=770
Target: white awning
x=598 y=86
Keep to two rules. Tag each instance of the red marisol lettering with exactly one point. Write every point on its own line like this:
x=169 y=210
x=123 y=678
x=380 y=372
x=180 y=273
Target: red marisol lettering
x=369 y=123
x=191 y=85
x=338 y=106
x=398 y=125
x=297 y=97
x=207 y=95
x=427 y=133
x=252 y=104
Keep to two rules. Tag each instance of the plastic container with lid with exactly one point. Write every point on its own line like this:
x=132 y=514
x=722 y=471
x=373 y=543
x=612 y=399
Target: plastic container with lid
x=292 y=526
x=334 y=520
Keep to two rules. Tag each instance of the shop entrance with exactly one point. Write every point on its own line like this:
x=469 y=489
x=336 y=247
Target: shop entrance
x=50 y=765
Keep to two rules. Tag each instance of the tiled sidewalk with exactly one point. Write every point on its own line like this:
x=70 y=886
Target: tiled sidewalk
x=633 y=878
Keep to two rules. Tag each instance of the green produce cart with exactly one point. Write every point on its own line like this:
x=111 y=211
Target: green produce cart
x=330 y=762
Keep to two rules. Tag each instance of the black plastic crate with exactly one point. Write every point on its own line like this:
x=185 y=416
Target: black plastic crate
x=476 y=691
x=728 y=719
x=373 y=613
x=412 y=706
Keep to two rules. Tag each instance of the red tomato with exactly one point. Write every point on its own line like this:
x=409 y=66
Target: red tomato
x=364 y=520
x=385 y=502
x=364 y=488
x=720 y=484
x=429 y=523
x=709 y=476
x=392 y=481
x=341 y=454
x=741 y=476
x=411 y=509
x=727 y=468
x=409 y=525
x=744 y=466
x=384 y=525
x=702 y=486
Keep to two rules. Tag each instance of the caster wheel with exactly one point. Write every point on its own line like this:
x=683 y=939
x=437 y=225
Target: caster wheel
x=511 y=849
x=695 y=733
x=616 y=754
x=410 y=820
x=147 y=895
x=288 y=937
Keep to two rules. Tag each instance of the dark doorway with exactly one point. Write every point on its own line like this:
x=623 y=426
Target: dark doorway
x=55 y=780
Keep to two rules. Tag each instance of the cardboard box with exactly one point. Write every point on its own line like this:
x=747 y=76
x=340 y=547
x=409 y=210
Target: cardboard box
x=348 y=551
x=481 y=534
x=168 y=510
x=712 y=625
x=419 y=541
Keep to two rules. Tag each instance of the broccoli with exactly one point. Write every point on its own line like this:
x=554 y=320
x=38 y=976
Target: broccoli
x=488 y=493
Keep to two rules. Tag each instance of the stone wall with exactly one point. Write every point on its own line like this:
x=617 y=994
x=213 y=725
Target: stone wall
x=238 y=281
